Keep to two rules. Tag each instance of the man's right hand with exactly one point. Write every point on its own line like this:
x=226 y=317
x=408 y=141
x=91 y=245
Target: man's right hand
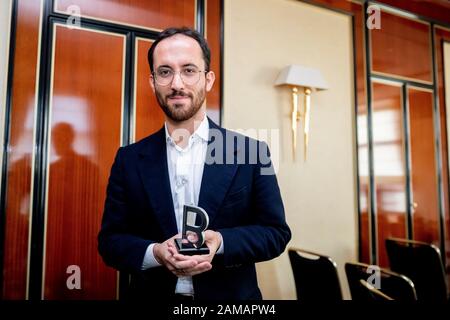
x=164 y=256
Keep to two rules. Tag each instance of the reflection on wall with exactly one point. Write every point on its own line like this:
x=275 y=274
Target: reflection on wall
x=74 y=110
x=402 y=47
x=389 y=164
x=19 y=184
x=424 y=201
x=388 y=140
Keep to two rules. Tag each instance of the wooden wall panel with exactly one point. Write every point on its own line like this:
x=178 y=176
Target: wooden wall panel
x=400 y=50
x=434 y=9
x=402 y=47
x=423 y=167
x=441 y=36
x=213 y=16
x=86 y=116
x=389 y=165
x=156 y=15
x=20 y=155
x=149 y=117
x=85 y=130
x=361 y=114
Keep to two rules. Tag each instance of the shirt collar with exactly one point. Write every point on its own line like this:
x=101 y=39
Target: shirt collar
x=202 y=131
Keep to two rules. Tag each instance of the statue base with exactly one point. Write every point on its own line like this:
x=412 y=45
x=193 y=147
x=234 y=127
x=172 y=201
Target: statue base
x=188 y=249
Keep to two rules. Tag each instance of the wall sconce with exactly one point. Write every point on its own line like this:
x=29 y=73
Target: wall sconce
x=309 y=79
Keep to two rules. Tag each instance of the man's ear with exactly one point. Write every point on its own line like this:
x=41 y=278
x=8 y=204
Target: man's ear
x=210 y=78
x=151 y=80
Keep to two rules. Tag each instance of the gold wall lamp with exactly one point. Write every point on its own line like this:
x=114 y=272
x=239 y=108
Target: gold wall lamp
x=309 y=79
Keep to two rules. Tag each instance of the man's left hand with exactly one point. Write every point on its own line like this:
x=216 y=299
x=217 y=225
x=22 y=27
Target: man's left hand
x=213 y=240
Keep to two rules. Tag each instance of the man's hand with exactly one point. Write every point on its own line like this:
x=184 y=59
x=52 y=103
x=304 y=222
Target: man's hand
x=164 y=254
x=213 y=240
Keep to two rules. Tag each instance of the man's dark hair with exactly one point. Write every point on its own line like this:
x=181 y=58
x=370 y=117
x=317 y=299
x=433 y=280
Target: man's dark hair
x=186 y=32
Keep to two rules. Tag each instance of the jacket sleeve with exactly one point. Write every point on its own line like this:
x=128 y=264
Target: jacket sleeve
x=118 y=247
x=268 y=234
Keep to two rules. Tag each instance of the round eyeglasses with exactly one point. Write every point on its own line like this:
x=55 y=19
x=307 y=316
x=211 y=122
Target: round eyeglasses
x=189 y=76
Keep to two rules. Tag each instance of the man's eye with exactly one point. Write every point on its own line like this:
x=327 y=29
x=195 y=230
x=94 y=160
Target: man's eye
x=164 y=73
x=189 y=71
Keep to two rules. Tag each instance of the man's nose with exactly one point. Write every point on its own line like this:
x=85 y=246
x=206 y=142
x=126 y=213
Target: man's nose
x=177 y=82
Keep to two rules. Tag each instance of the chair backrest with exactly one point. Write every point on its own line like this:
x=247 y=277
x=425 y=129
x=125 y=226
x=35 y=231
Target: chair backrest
x=373 y=294
x=315 y=275
x=391 y=284
x=422 y=263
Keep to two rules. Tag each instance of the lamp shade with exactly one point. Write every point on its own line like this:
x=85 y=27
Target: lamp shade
x=295 y=75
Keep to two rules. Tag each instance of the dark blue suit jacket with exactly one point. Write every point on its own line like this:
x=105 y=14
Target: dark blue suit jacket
x=244 y=205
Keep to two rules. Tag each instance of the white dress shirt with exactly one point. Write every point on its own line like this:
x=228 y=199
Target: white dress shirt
x=185 y=175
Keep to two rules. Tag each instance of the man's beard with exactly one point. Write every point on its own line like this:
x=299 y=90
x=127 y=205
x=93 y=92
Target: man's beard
x=177 y=112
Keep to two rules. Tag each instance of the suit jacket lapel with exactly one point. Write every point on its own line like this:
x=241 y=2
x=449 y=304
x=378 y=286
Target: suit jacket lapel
x=217 y=177
x=155 y=177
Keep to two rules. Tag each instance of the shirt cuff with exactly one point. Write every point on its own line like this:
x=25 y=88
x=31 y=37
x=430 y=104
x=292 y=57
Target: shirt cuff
x=149 y=259
x=220 y=250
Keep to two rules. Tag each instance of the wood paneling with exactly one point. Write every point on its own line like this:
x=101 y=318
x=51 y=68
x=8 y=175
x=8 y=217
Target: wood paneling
x=389 y=165
x=402 y=47
x=434 y=9
x=443 y=35
x=85 y=132
x=149 y=117
x=141 y=13
x=20 y=155
x=361 y=115
x=423 y=167
x=86 y=114
x=213 y=16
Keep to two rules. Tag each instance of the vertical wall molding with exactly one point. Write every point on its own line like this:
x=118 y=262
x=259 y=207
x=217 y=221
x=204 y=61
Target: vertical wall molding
x=6 y=133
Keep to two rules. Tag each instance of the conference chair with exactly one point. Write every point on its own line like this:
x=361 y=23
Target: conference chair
x=392 y=285
x=315 y=275
x=422 y=263
x=373 y=294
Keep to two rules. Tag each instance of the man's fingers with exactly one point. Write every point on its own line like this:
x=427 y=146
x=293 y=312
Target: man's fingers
x=200 y=268
x=185 y=264
x=182 y=257
x=200 y=258
x=173 y=251
x=171 y=244
x=185 y=271
x=177 y=267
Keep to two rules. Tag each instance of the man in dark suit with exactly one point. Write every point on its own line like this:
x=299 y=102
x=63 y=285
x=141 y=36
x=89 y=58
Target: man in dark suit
x=192 y=161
